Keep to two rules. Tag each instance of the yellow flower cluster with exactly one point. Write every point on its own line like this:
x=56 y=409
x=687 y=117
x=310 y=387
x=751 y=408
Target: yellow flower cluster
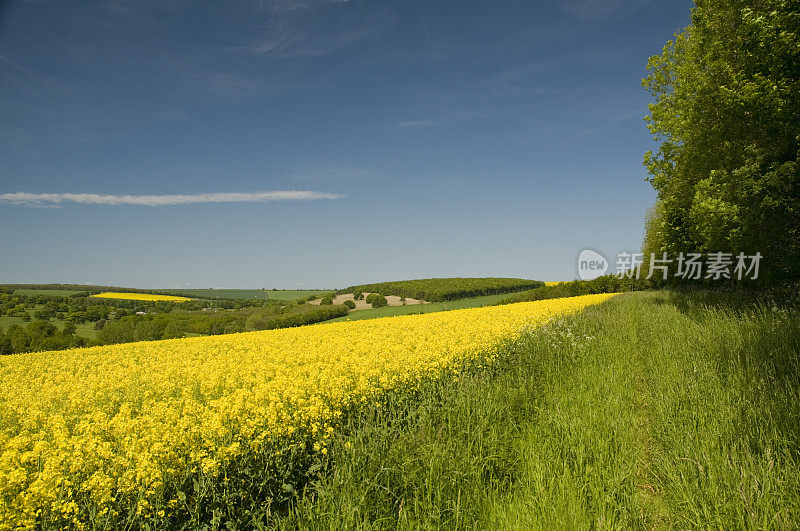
x=554 y=282
x=139 y=296
x=94 y=426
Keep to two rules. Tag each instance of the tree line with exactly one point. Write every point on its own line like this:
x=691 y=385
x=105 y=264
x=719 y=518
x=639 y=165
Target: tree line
x=446 y=289
x=48 y=322
x=180 y=323
x=603 y=284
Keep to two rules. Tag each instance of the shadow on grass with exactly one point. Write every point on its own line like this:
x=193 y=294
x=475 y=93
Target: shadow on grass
x=757 y=357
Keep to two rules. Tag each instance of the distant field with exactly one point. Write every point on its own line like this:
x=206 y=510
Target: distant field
x=391 y=311
x=53 y=292
x=139 y=296
x=446 y=289
x=280 y=294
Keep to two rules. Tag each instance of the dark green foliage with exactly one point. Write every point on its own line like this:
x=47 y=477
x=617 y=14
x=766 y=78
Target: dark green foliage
x=358 y=295
x=308 y=315
x=376 y=300
x=83 y=290
x=55 y=306
x=604 y=284
x=727 y=112
x=446 y=289
x=38 y=336
x=117 y=322
x=350 y=304
x=243 y=297
x=257 y=294
x=177 y=324
x=326 y=300
x=6 y=346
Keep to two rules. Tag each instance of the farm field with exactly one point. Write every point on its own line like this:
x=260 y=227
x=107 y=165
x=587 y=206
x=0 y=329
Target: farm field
x=646 y=154
x=280 y=294
x=648 y=410
x=139 y=296
x=53 y=292
x=391 y=311
x=165 y=431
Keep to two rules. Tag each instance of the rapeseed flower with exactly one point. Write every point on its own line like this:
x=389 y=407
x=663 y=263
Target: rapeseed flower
x=104 y=430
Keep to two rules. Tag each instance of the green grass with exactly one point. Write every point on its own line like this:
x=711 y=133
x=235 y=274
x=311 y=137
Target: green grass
x=391 y=311
x=81 y=329
x=653 y=410
x=6 y=321
x=52 y=292
x=279 y=294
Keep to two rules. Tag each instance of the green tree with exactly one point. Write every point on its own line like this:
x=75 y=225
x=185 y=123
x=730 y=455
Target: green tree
x=727 y=115
x=376 y=300
x=5 y=344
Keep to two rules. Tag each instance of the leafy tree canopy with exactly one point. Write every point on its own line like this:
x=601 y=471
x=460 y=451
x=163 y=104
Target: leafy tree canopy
x=727 y=115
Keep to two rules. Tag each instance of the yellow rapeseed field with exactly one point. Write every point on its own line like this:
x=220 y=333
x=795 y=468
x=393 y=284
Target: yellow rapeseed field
x=139 y=296
x=93 y=433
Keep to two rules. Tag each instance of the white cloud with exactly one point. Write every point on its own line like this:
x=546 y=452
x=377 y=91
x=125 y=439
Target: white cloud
x=28 y=199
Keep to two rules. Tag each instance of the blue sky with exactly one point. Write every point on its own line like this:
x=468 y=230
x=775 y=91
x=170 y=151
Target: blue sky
x=387 y=139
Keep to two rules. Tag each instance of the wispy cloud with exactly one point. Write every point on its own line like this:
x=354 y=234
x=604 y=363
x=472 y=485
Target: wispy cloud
x=313 y=28
x=595 y=10
x=417 y=123
x=278 y=6
x=28 y=199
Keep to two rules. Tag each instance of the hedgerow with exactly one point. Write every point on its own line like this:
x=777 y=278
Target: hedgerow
x=446 y=289
x=604 y=284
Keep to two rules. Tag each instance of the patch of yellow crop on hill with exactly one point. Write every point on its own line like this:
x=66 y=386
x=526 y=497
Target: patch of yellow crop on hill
x=140 y=296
